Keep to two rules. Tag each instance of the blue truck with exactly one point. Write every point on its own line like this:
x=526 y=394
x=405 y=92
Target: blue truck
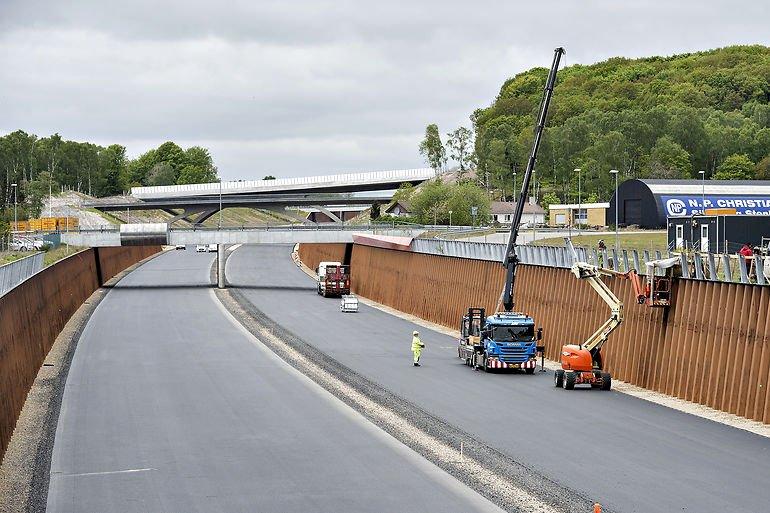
x=505 y=340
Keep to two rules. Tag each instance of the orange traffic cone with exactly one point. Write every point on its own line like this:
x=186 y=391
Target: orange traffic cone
x=597 y=508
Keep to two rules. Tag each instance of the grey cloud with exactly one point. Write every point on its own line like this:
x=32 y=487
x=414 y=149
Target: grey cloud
x=277 y=82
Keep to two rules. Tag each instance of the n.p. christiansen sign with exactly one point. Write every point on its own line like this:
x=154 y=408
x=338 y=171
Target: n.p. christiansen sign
x=686 y=205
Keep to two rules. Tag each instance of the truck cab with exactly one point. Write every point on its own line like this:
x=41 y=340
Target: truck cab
x=505 y=340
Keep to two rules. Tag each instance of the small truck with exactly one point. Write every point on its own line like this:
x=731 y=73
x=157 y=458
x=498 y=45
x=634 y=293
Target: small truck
x=333 y=279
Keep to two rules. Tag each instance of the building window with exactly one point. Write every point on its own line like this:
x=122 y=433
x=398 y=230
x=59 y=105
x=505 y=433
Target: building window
x=507 y=217
x=581 y=215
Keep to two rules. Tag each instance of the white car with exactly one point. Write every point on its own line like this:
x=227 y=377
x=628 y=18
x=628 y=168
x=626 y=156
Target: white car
x=19 y=245
x=201 y=248
x=180 y=246
x=212 y=248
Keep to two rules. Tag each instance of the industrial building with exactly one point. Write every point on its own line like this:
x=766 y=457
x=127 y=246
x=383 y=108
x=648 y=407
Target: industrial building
x=718 y=232
x=574 y=214
x=649 y=203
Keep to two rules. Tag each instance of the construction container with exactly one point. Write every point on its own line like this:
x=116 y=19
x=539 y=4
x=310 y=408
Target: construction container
x=66 y=223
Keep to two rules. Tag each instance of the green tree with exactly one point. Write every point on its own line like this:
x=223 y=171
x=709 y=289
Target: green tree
x=462 y=198
x=460 y=144
x=161 y=174
x=429 y=205
x=432 y=149
x=735 y=167
x=196 y=174
x=762 y=171
x=669 y=160
x=37 y=190
x=269 y=177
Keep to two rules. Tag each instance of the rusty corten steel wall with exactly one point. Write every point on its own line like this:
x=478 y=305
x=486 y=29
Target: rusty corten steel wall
x=311 y=254
x=33 y=313
x=711 y=347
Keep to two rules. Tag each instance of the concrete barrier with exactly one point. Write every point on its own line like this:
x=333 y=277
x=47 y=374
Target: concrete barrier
x=33 y=313
x=711 y=347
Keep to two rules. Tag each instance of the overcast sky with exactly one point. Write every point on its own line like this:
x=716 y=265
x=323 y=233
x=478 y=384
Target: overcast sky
x=303 y=87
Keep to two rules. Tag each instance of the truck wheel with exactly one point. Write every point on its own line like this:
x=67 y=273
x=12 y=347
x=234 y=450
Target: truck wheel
x=558 y=378
x=318 y=291
x=529 y=370
x=569 y=380
x=606 y=381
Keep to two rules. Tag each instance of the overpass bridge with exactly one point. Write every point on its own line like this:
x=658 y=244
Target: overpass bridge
x=197 y=202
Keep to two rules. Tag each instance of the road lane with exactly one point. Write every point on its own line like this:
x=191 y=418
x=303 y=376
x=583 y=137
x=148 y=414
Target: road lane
x=170 y=406
x=628 y=453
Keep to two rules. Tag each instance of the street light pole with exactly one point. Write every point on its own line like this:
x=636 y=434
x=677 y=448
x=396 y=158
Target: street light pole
x=580 y=198
x=450 y=219
x=617 y=222
x=514 y=186
x=15 y=217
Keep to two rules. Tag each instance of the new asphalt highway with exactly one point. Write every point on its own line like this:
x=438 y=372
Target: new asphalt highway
x=629 y=454
x=170 y=406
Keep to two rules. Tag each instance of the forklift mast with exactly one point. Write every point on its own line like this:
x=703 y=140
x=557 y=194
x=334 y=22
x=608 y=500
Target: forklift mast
x=511 y=260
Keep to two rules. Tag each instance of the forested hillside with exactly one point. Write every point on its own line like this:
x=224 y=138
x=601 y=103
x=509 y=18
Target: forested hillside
x=661 y=117
x=39 y=164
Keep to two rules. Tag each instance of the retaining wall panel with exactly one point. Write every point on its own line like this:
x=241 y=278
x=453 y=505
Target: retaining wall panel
x=33 y=314
x=712 y=346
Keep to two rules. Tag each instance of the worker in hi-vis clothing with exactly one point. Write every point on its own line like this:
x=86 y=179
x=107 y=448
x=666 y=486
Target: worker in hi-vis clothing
x=417 y=346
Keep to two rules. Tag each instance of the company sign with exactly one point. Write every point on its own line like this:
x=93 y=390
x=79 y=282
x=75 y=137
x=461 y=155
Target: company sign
x=687 y=205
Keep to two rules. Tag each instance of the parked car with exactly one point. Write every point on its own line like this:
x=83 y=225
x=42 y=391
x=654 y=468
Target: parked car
x=212 y=248
x=201 y=248
x=19 y=245
x=180 y=246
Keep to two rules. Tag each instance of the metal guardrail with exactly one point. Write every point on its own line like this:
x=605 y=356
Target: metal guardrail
x=700 y=266
x=13 y=273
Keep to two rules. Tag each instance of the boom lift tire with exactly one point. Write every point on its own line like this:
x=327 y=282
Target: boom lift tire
x=569 y=380
x=558 y=378
x=606 y=381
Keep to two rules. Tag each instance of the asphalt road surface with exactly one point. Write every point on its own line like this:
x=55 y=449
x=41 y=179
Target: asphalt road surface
x=170 y=406
x=631 y=455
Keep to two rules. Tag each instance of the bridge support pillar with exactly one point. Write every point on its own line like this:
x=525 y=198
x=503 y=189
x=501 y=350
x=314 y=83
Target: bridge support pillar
x=221 y=266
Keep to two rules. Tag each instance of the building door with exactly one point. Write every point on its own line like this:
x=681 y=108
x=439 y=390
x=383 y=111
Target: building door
x=679 y=238
x=632 y=212
x=704 y=237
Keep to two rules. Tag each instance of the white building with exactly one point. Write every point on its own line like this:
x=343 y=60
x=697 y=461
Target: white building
x=503 y=212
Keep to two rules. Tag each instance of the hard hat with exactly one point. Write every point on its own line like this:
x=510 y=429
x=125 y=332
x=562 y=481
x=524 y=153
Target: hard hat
x=415 y=332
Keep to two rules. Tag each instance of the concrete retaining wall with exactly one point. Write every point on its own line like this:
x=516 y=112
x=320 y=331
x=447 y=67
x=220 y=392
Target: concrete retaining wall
x=33 y=313
x=16 y=272
x=711 y=347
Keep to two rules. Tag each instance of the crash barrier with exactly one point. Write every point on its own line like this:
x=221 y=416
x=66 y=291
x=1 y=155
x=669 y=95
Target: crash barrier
x=33 y=313
x=712 y=346
x=13 y=273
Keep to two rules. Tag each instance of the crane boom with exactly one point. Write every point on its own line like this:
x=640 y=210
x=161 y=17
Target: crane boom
x=511 y=260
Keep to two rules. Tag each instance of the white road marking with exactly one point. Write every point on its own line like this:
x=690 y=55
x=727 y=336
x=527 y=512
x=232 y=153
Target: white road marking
x=127 y=471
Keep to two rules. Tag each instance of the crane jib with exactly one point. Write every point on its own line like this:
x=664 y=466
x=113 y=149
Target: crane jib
x=511 y=260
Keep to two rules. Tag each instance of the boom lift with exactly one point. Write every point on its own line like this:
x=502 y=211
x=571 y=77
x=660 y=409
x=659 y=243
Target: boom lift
x=508 y=339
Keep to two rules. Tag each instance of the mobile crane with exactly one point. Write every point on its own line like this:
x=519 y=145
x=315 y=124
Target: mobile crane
x=507 y=339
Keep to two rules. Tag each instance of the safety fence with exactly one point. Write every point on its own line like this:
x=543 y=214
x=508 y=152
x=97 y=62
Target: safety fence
x=712 y=346
x=33 y=314
x=695 y=265
x=13 y=273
